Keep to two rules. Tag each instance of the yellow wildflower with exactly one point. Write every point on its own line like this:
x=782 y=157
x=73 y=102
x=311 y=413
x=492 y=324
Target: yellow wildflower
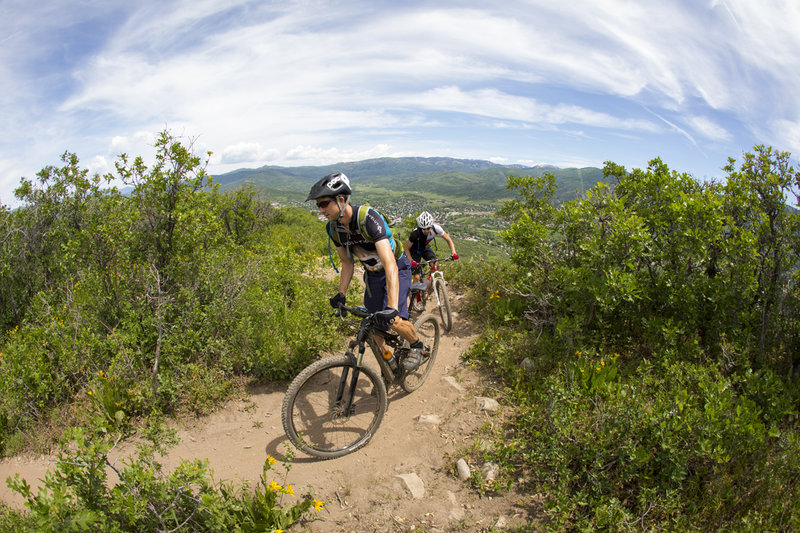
x=289 y=490
x=318 y=505
x=602 y=363
x=274 y=486
x=271 y=459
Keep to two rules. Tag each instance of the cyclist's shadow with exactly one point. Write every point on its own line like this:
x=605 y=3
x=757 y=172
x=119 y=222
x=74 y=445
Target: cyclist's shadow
x=282 y=449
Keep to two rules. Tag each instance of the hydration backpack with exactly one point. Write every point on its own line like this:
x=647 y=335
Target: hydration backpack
x=361 y=217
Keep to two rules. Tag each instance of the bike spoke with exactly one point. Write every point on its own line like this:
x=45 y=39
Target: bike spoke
x=326 y=418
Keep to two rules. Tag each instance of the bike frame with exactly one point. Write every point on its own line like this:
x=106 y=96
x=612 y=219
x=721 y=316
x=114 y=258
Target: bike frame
x=366 y=336
x=434 y=274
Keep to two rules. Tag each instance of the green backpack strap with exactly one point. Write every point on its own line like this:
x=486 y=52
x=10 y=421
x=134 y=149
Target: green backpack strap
x=363 y=210
x=330 y=254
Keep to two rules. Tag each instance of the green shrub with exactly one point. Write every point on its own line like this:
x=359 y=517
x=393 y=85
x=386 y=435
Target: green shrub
x=180 y=292
x=640 y=337
x=78 y=495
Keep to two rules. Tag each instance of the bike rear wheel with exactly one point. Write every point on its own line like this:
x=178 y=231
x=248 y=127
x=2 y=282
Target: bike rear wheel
x=428 y=330
x=317 y=416
x=444 y=304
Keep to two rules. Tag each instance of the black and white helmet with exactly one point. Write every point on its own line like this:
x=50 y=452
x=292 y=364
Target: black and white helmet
x=425 y=220
x=334 y=185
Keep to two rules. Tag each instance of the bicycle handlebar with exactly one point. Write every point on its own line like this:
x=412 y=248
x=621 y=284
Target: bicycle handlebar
x=358 y=311
x=437 y=260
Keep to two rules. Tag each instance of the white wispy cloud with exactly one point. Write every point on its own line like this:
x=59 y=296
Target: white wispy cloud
x=320 y=82
x=708 y=129
x=495 y=104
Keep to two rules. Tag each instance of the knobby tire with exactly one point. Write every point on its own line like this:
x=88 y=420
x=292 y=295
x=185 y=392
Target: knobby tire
x=314 y=422
x=444 y=304
x=428 y=330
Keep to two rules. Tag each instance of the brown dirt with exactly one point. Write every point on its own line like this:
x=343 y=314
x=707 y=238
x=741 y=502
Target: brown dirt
x=362 y=492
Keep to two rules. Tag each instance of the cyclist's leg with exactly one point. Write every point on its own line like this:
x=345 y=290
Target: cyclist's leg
x=375 y=297
x=380 y=340
x=404 y=278
x=405 y=327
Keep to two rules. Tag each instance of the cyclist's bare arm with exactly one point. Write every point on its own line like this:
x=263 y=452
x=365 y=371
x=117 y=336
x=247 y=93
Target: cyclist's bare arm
x=450 y=243
x=401 y=326
x=407 y=249
x=386 y=255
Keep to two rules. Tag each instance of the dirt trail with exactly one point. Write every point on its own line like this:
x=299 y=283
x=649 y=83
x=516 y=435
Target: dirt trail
x=362 y=491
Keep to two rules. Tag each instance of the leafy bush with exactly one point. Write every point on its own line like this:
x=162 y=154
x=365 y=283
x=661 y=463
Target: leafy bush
x=640 y=336
x=178 y=294
x=78 y=494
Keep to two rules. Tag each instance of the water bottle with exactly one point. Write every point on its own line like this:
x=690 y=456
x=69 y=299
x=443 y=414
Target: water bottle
x=388 y=356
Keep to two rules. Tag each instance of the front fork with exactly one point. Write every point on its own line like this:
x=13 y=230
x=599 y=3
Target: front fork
x=347 y=382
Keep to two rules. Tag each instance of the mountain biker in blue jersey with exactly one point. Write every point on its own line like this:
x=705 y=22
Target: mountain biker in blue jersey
x=418 y=243
x=387 y=271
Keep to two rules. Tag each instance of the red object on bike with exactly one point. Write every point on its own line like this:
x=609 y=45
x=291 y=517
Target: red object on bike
x=414 y=264
x=454 y=257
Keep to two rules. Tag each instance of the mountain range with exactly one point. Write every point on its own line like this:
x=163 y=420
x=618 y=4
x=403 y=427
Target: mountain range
x=465 y=180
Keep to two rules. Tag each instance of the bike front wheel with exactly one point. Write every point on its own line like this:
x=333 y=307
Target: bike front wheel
x=428 y=330
x=333 y=407
x=416 y=302
x=444 y=304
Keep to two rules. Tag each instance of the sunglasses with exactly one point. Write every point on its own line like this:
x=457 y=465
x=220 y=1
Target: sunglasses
x=323 y=204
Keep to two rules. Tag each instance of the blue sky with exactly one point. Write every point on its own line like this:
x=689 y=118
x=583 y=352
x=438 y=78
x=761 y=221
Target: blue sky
x=316 y=82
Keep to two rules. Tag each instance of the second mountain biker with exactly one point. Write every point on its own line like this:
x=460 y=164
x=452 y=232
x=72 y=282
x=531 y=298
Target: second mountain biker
x=418 y=243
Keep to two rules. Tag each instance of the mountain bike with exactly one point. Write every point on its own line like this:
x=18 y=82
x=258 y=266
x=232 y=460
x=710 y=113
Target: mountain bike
x=434 y=283
x=335 y=405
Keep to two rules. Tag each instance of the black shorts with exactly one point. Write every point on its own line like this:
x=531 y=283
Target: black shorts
x=427 y=254
x=375 y=293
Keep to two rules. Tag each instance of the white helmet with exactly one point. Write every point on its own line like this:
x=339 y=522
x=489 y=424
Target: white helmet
x=425 y=220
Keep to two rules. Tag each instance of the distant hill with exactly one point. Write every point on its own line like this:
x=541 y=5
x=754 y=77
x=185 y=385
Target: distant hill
x=462 y=194
x=463 y=180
